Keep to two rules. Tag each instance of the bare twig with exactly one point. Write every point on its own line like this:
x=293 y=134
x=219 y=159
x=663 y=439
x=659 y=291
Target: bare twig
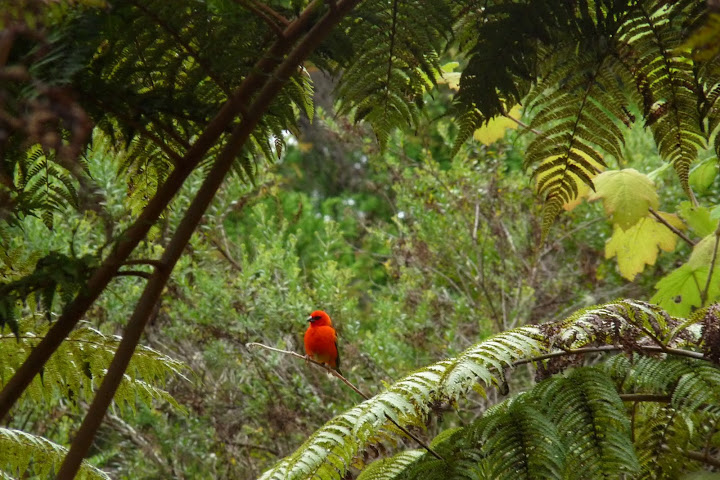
x=273 y=19
x=133 y=273
x=704 y=293
x=522 y=124
x=353 y=387
x=671 y=227
x=144 y=261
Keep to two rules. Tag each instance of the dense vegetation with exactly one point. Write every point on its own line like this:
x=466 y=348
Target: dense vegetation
x=468 y=188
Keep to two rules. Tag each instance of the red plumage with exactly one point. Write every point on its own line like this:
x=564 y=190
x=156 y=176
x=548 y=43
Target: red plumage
x=321 y=340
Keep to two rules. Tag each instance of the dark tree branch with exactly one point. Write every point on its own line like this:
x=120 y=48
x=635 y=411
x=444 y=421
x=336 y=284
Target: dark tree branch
x=133 y=236
x=273 y=19
x=193 y=215
x=335 y=373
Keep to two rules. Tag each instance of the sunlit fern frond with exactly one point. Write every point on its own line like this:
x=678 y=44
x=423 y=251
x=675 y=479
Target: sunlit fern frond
x=81 y=362
x=22 y=453
x=397 y=45
x=330 y=451
x=390 y=468
x=44 y=188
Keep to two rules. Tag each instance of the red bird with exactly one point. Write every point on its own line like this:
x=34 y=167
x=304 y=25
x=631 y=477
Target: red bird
x=321 y=340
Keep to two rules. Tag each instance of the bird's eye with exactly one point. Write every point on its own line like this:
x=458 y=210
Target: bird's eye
x=316 y=317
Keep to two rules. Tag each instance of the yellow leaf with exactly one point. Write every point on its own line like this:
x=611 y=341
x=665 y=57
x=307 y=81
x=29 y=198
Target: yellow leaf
x=639 y=244
x=495 y=128
x=626 y=194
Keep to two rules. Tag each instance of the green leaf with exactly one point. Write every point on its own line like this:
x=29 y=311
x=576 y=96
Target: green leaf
x=703 y=252
x=698 y=218
x=626 y=194
x=681 y=290
x=639 y=244
x=703 y=176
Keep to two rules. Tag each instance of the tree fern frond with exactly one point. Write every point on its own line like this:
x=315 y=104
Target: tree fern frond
x=389 y=468
x=590 y=416
x=398 y=44
x=650 y=41
x=21 y=452
x=520 y=443
x=601 y=437
x=80 y=363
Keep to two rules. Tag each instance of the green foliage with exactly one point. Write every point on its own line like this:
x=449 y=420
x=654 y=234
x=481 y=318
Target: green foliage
x=582 y=409
x=54 y=273
x=80 y=363
x=23 y=453
x=396 y=47
x=579 y=67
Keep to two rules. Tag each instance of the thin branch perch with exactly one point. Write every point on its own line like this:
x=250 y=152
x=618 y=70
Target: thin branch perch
x=677 y=232
x=355 y=389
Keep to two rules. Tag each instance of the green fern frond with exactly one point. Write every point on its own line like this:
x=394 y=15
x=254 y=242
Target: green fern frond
x=80 y=364
x=595 y=431
x=389 y=468
x=21 y=453
x=43 y=187
x=520 y=442
x=651 y=38
x=397 y=45
x=590 y=416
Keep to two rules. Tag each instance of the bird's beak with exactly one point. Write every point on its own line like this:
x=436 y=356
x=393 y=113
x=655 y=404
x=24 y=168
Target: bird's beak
x=309 y=319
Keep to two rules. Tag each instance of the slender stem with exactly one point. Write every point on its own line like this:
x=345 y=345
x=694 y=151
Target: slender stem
x=698 y=456
x=154 y=287
x=677 y=232
x=304 y=357
x=611 y=348
x=268 y=18
x=132 y=273
x=644 y=397
x=355 y=389
x=144 y=261
x=97 y=283
x=704 y=293
x=522 y=124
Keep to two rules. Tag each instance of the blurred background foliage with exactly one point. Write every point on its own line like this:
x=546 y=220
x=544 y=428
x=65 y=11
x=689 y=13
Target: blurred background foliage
x=415 y=256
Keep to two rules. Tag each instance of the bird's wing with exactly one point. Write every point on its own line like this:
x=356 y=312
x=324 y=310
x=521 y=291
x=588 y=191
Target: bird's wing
x=337 y=358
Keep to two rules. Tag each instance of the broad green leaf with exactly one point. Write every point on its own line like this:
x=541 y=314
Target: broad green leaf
x=681 y=290
x=698 y=218
x=495 y=128
x=638 y=245
x=703 y=176
x=703 y=252
x=626 y=194
x=715 y=213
